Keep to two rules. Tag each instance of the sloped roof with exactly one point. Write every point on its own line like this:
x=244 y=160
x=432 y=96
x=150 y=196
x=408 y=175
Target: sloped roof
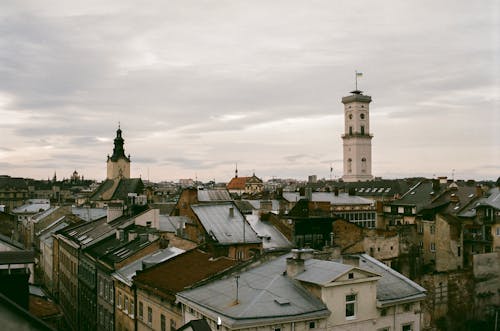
x=492 y=198
x=263 y=293
x=237 y=183
x=272 y=238
x=223 y=228
x=341 y=199
x=17 y=257
x=393 y=286
x=34 y=207
x=180 y=272
x=126 y=273
x=121 y=189
x=172 y=223
x=213 y=195
x=322 y=272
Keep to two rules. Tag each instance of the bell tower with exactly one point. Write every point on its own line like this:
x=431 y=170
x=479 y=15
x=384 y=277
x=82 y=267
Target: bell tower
x=118 y=164
x=357 y=139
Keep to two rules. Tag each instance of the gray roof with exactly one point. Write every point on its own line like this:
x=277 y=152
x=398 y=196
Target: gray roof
x=272 y=238
x=224 y=229
x=172 y=223
x=89 y=214
x=126 y=273
x=46 y=236
x=257 y=203
x=341 y=199
x=492 y=198
x=393 y=286
x=322 y=272
x=213 y=195
x=33 y=207
x=264 y=293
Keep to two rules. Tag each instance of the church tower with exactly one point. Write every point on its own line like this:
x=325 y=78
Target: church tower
x=357 y=138
x=118 y=164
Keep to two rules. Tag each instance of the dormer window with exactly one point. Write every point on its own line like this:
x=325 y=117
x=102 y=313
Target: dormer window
x=350 y=275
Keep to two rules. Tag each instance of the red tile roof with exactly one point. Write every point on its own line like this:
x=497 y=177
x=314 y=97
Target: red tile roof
x=237 y=183
x=180 y=272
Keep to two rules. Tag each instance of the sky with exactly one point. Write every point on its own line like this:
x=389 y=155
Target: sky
x=198 y=86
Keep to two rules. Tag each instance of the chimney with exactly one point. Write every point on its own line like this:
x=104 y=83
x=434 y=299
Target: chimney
x=231 y=212
x=295 y=264
x=114 y=211
x=443 y=180
x=120 y=234
x=308 y=193
x=479 y=191
x=132 y=235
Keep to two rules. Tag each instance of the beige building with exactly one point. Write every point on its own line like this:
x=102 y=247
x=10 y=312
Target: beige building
x=357 y=138
x=359 y=294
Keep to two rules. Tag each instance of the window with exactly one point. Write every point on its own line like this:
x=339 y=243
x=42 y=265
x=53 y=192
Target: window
x=350 y=130
x=459 y=251
x=362 y=129
x=433 y=247
x=383 y=312
x=350 y=275
x=119 y=300
x=141 y=307
x=362 y=116
x=407 y=327
x=350 y=306
x=150 y=316
x=407 y=307
x=312 y=325
x=163 y=323
x=125 y=306
x=498 y=231
x=432 y=229
x=277 y=328
x=172 y=325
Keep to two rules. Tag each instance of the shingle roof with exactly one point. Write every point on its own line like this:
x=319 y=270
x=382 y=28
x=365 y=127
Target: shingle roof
x=263 y=293
x=181 y=271
x=223 y=228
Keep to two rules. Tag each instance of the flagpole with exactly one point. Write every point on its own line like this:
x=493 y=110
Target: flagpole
x=356 y=79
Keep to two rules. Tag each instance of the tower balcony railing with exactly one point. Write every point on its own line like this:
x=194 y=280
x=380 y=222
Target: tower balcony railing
x=357 y=134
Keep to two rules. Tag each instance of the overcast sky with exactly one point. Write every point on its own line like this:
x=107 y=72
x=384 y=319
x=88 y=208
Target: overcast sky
x=201 y=85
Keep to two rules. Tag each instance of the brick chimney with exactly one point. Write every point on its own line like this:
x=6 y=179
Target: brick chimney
x=295 y=264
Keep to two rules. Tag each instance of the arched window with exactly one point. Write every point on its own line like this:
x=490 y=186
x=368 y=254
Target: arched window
x=362 y=129
x=363 y=164
x=349 y=165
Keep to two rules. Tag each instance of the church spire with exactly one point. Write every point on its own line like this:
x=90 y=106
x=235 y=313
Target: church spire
x=118 y=150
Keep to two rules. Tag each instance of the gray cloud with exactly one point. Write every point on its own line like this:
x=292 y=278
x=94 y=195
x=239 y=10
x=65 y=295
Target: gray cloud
x=253 y=82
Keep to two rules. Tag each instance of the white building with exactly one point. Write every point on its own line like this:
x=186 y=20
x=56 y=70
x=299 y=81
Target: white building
x=357 y=138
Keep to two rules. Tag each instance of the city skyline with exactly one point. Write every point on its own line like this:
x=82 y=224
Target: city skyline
x=200 y=86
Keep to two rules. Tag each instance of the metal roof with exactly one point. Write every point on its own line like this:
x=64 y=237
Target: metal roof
x=341 y=199
x=126 y=273
x=322 y=272
x=272 y=238
x=172 y=223
x=263 y=293
x=224 y=228
x=393 y=286
x=89 y=214
x=213 y=195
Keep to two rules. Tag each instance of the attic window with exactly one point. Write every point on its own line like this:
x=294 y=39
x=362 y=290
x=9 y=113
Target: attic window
x=350 y=275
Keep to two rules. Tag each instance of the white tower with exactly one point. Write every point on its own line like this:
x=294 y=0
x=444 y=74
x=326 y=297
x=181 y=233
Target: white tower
x=357 y=138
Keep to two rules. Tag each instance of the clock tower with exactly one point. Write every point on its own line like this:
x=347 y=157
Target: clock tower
x=357 y=139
